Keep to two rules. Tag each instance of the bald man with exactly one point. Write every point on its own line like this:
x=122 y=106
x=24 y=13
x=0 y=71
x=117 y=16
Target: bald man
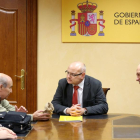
x=138 y=73
x=79 y=94
x=6 y=85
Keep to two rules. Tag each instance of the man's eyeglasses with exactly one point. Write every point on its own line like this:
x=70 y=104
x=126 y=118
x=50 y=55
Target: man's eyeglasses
x=72 y=74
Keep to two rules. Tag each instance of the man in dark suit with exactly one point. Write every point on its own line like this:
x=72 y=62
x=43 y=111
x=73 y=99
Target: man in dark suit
x=79 y=94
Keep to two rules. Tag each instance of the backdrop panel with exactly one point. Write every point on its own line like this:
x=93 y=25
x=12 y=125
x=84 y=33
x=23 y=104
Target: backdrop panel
x=101 y=21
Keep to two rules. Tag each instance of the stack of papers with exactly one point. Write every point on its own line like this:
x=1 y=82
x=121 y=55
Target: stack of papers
x=70 y=118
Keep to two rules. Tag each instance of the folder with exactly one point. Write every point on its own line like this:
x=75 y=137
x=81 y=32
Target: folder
x=70 y=118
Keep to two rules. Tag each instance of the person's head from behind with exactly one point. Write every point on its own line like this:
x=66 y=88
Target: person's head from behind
x=76 y=73
x=138 y=74
x=6 y=84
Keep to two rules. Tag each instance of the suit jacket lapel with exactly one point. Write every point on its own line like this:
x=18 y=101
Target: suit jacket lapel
x=69 y=93
x=86 y=91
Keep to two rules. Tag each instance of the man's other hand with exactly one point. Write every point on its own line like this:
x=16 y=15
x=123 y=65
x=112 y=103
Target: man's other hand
x=39 y=115
x=21 y=109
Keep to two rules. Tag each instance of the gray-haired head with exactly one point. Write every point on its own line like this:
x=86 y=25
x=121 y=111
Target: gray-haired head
x=83 y=69
x=79 y=66
x=4 y=79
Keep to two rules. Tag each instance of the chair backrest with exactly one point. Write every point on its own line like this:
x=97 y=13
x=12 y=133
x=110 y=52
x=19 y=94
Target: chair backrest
x=105 y=90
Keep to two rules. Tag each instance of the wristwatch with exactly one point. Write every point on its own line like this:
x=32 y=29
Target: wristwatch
x=85 y=113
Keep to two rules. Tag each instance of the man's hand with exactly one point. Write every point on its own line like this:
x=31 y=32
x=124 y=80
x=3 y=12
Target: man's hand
x=21 y=109
x=79 y=110
x=39 y=115
x=76 y=110
x=71 y=111
x=6 y=133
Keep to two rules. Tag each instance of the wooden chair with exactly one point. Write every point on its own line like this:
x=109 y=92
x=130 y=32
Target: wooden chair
x=105 y=90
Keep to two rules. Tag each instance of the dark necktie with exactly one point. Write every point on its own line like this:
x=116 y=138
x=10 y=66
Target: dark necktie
x=75 y=95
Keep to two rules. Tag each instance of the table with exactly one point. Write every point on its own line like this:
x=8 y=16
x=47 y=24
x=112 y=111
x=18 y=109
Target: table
x=96 y=127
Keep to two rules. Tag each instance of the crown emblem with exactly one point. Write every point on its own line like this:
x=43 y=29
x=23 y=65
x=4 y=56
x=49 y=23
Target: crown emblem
x=87 y=7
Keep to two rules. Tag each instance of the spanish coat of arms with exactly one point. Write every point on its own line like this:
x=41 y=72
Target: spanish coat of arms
x=87 y=20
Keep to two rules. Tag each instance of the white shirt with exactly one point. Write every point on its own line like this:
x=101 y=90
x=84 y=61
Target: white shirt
x=80 y=94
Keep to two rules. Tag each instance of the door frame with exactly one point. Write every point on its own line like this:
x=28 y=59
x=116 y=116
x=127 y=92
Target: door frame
x=31 y=69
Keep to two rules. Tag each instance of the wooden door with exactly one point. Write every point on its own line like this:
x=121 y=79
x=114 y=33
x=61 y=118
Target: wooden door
x=18 y=49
